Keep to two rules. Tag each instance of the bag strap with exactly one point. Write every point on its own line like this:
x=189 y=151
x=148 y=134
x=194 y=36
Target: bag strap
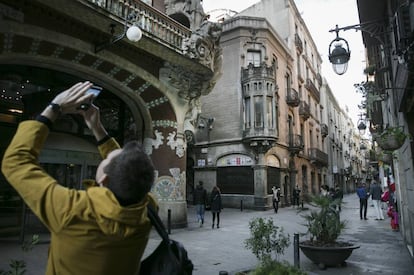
x=157 y=223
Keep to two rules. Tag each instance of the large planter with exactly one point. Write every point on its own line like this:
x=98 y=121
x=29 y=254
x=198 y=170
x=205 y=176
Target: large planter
x=390 y=142
x=325 y=256
x=386 y=158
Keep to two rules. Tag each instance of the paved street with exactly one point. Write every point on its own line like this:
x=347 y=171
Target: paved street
x=215 y=250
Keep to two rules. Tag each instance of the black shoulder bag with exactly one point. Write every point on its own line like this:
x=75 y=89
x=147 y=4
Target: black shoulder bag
x=170 y=257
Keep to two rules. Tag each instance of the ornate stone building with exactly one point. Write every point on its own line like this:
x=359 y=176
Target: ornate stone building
x=149 y=86
x=261 y=125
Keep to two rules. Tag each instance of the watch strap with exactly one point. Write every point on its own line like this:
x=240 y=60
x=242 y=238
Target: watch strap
x=55 y=107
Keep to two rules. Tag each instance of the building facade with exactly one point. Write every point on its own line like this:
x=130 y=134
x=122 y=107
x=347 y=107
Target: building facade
x=388 y=32
x=261 y=124
x=47 y=46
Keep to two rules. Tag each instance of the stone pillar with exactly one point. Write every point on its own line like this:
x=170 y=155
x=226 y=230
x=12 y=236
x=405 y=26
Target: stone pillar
x=260 y=147
x=292 y=176
x=168 y=155
x=260 y=183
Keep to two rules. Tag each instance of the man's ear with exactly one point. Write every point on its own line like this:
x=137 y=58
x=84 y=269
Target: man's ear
x=104 y=180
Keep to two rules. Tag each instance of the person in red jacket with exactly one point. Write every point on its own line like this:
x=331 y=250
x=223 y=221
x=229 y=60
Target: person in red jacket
x=101 y=230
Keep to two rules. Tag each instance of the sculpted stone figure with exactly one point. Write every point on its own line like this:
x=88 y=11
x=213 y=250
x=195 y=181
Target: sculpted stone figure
x=192 y=9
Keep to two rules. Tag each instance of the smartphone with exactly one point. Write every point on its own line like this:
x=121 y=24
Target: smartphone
x=95 y=90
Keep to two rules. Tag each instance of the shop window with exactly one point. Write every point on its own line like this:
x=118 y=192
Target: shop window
x=236 y=180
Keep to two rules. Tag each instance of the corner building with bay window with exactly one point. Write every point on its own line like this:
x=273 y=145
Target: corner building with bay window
x=261 y=126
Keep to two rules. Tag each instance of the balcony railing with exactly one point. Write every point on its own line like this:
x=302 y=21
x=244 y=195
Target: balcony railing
x=298 y=43
x=304 y=110
x=319 y=78
x=261 y=72
x=324 y=130
x=295 y=143
x=152 y=22
x=292 y=98
x=318 y=157
x=312 y=88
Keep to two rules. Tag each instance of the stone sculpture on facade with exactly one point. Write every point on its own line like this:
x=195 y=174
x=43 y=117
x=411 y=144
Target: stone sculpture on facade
x=192 y=9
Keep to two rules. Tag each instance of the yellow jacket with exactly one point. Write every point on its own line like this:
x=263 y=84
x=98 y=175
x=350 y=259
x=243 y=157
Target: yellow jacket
x=90 y=232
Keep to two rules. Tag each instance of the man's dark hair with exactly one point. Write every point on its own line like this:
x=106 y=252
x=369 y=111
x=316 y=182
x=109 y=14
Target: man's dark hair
x=130 y=174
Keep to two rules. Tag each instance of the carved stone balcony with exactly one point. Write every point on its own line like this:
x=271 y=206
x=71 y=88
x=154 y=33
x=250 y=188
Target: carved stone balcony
x=312 y=88
x=292 y=98
x=304 y=110
x=152 y=22
x=298 y=43
x=324 y=130
x=295 y=143
x=318 y=157
x=261 y=133
x=261 y=72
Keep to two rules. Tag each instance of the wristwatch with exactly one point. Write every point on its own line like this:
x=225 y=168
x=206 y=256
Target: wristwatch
x=55 y=107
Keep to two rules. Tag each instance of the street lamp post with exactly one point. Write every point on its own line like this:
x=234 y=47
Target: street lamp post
x=339 y=55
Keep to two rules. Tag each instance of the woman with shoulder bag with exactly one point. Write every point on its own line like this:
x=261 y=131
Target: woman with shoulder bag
x=215 y=205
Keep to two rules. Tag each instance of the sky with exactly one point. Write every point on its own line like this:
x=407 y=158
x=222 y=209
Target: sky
x=321 y=16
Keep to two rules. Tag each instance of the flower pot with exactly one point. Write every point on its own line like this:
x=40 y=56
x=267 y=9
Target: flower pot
x=386 y=158
x=390 y=142
x=324 y=256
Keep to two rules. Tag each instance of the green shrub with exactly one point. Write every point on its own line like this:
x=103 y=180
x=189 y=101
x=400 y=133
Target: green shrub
x=324 y=224
x=277 y=268
x=18 y=267
x=265 y=238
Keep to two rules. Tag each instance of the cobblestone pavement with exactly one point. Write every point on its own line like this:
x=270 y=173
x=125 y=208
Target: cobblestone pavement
x=214 y=250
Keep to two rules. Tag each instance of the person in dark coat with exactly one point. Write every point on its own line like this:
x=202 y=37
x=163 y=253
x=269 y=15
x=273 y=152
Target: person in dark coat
x=375 y=191
x=215 y=202
x=200 y=199
x=296 y=196
x=276 y=198
x=338 y=194
x=363 y=200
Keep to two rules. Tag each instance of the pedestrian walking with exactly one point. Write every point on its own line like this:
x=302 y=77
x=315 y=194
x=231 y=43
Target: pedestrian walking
x=296 y=195
x=375 y=192
x=338 y=195
x=276 y=198
x=200 y=200
x=363 y=200
x=101 y=230
x=215 y=203
x=324 y=190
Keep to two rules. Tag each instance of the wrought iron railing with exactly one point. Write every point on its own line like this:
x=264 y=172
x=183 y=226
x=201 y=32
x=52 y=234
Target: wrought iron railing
x=304 y=110
x=295 y=143
x=292 y=97
x=298 y=43
x=324 y=130
x=318 y=156
x=312 y=88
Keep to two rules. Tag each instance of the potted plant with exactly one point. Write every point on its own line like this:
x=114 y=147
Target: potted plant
x=370 y=70
x=385 y=156
x=324 y=227
x=392 y=138
x=267 y=239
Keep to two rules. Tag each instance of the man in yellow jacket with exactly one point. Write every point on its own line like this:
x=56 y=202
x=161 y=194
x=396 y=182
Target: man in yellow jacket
x=101 y=230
